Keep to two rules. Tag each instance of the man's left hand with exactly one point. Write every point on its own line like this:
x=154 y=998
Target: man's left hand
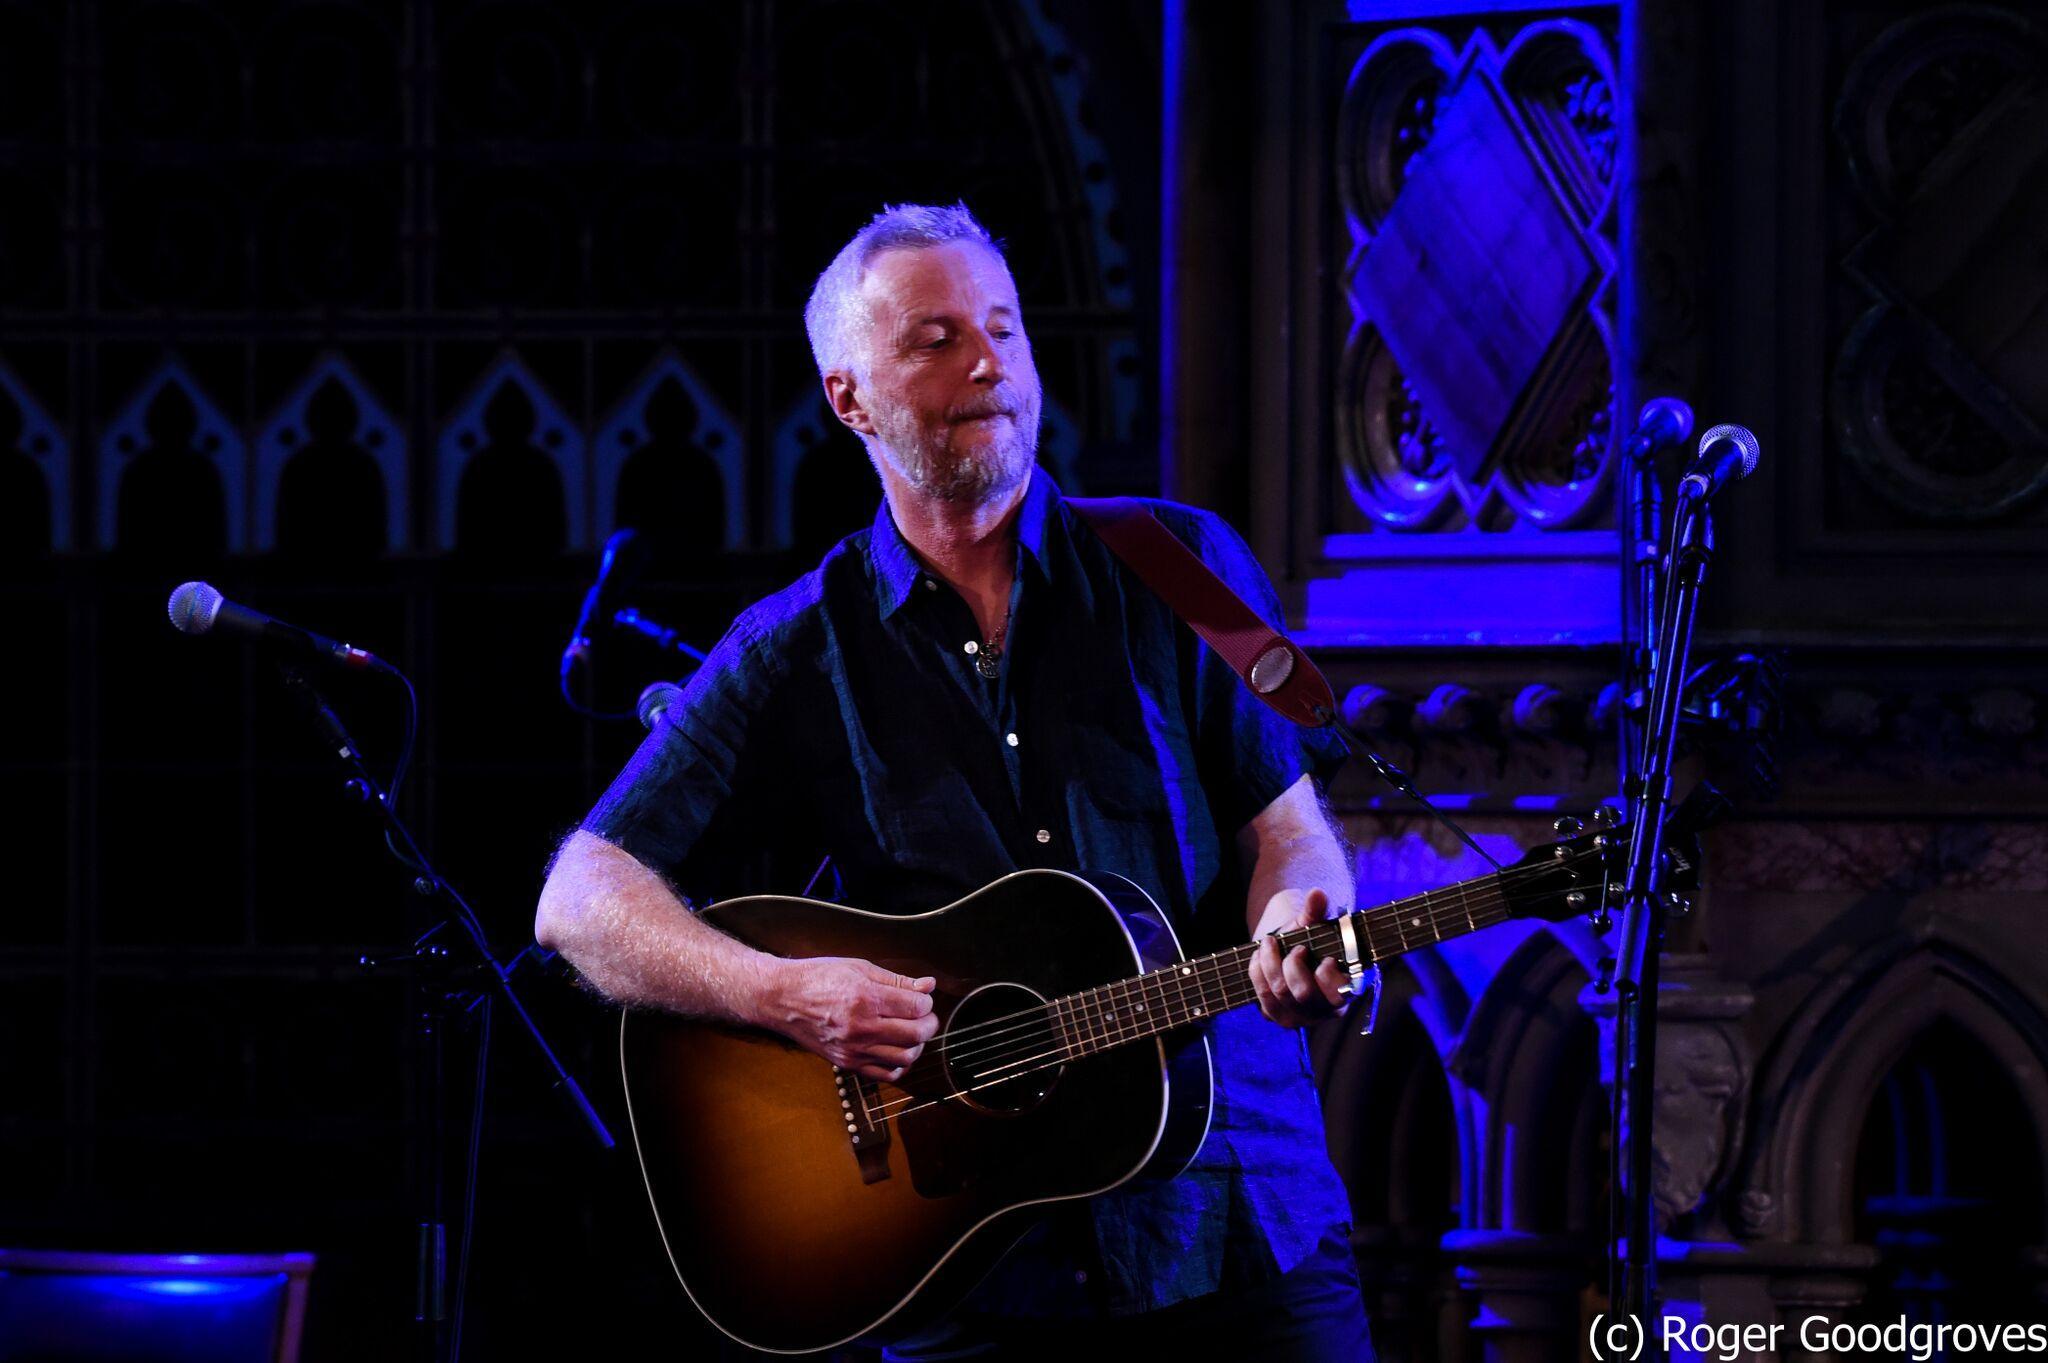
x=1293 y=990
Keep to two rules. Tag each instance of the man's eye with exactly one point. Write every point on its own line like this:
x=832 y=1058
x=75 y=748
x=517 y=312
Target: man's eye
x=1002 y=335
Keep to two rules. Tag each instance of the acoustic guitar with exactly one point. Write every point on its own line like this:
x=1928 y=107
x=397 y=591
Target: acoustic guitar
x=804 y=1206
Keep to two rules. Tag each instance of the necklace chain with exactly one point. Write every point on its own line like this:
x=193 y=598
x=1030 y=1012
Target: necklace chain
x=988 y=661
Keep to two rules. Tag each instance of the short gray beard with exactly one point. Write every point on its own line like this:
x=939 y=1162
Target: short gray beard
x=996 y=471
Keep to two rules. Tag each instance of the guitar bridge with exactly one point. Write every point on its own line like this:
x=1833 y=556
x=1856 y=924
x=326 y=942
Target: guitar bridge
x=867 y=1126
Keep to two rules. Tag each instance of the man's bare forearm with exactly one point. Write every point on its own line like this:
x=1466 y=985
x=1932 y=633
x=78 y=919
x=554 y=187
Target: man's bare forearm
x=1295 y=844
x=621 y=925
x=623 y=928
x=1316 y=861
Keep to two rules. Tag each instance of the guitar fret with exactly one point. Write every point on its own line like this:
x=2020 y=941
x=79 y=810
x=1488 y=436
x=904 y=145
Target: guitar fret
x=1193 y=991
x=1184 y=975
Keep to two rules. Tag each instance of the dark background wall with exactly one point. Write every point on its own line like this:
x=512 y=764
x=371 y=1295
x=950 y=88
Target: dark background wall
x=1488 y=232
x=382 y=316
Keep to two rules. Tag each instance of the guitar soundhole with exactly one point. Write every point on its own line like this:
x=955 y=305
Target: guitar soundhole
x=1001 y=1048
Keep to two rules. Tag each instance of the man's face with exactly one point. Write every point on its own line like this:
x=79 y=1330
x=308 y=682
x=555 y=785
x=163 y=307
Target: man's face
x=951 y=392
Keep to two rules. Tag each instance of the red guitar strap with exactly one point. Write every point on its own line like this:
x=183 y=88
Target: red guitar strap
x=1271 y=664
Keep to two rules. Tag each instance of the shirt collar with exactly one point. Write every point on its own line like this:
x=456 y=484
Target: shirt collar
x=897 y=570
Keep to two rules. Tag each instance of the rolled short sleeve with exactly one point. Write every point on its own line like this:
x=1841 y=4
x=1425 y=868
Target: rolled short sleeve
x=1249 y=753
x=694 y=770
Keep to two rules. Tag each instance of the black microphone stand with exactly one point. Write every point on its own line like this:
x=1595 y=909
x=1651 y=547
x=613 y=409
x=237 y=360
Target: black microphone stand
x=1632 y=1252
x=1644 y=555
x=442 y=993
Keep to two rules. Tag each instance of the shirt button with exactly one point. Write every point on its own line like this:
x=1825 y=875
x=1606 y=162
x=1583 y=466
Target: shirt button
x=1010 y=739
x=1081 y=1276
x=931 y=585
x=973 y=647
x=1045 y=835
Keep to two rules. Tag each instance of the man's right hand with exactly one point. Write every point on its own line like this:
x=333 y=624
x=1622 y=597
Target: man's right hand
x=853 y=1012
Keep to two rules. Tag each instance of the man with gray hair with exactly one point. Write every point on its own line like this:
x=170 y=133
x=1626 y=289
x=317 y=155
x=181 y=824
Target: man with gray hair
x=974 y=685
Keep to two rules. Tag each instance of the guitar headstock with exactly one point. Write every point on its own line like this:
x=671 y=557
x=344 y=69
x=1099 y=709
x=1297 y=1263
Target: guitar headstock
x=1580 y=873
x=1583 y=872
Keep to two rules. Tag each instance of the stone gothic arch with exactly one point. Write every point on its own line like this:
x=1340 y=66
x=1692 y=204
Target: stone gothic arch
x=1399 y=1127
x=629 y=434
x=1817 y=1087
x=170 y=406
x=1530 y=1054
x=376 y=433
x=41 y=459
x=468 y=434
x=1370 y=1082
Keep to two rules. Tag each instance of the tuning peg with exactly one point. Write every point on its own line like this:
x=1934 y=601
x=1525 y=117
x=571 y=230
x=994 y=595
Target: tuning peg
x=1605 y=816
x=1568 y=826
x=1575 y=899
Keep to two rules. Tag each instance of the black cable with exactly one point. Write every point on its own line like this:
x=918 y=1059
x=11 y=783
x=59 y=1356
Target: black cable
x=415 y=861
x=569 y=699
x=1398 y=779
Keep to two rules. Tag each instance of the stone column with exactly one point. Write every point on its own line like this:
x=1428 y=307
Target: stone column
x=1525 y=1288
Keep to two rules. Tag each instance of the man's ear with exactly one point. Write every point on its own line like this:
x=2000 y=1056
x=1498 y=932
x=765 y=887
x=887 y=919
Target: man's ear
x=846 y=404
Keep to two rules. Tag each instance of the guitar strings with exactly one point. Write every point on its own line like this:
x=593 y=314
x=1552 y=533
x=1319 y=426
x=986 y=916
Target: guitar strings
x=950 y=1043
x=1059 y=1054
x=992 y=1037
x=1231 y=991
x=953 y=1048
x=1443 y=912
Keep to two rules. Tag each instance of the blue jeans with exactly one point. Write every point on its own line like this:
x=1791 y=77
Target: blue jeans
x=1311 y=1314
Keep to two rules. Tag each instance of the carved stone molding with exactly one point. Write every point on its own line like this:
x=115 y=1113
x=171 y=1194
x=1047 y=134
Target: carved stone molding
x=1532 y=733
x=1896 y=857
x=1703 y=1072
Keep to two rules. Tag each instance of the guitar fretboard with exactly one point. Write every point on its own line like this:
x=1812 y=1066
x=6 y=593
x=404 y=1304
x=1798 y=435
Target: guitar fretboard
x=1192 y=991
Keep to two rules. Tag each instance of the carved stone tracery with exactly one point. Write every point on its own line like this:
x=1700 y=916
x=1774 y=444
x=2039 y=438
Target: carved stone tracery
x=1475 y=387
x=1940 y=406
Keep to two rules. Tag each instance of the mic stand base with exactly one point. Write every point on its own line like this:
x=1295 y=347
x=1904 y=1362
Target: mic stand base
x=437 y=999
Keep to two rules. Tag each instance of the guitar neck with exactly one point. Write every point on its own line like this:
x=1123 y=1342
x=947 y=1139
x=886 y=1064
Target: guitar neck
x=1191 y=992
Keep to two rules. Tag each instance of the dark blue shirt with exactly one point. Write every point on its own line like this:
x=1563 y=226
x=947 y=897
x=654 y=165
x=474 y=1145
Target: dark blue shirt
x=849 y=707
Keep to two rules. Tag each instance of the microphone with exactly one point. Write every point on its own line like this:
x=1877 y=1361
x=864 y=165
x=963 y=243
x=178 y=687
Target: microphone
x=1727 y=454
x=655 y=699
x=620 y=545
x=196 y=608
x=1663 y=421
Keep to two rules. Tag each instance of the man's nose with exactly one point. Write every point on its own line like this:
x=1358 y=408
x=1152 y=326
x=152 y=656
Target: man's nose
x=988 y=364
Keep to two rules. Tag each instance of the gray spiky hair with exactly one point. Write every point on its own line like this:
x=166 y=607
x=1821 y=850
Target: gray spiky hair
x=835 y=318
